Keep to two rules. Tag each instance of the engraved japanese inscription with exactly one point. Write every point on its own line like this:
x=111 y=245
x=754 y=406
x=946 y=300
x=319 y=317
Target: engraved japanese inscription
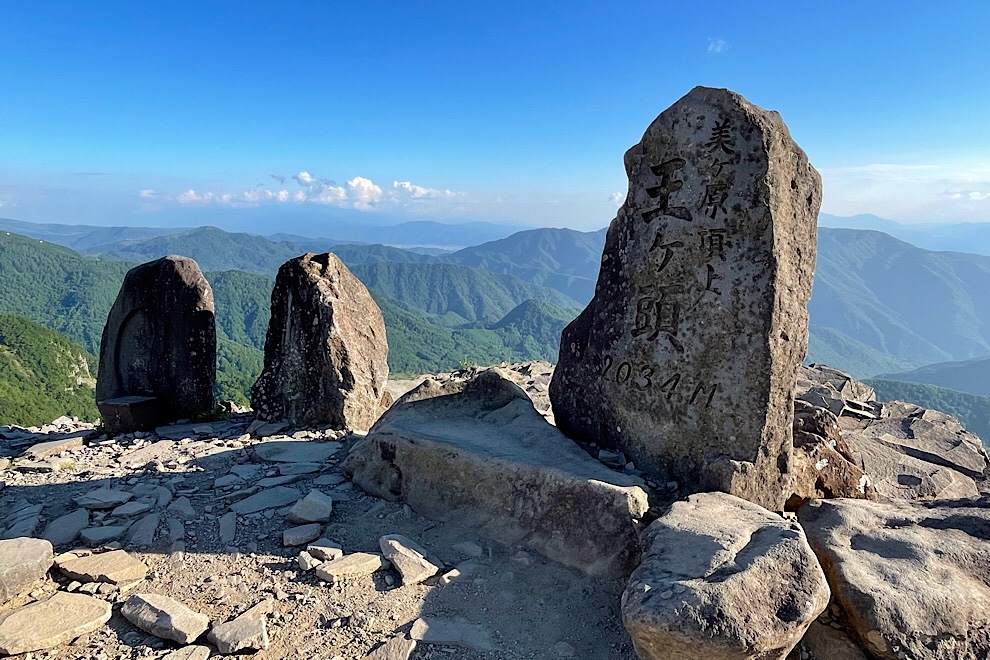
x=686 y=357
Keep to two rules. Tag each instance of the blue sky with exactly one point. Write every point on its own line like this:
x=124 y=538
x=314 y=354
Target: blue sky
x=158 y=113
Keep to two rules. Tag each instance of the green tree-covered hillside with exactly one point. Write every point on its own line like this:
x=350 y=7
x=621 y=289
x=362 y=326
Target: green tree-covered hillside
x=42 y=375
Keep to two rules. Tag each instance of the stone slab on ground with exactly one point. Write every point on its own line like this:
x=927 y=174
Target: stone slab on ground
x=247 y=631
x=295 y=451
x=912 y=578
x=189 y=653
x=315 y=507
x=722 y=579
x=114 y=567
x=97 y=536
x=497 y=466
x=142 y=533
x=409 y=558
x=453 y=633
x=267 y=499
x=354 y=565
x=301 y=535
x=103 y=498
x=397 y=648
x=49 y=623
x=23 y=561
x=65 y=529
x=54 y=447
x=165 y=617
x=686 y=358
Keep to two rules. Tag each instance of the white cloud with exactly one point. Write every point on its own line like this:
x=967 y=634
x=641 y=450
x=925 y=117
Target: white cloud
x=148 y=194
x=717 y=46
x=414 y=191
x=357 y=193
x=617 y=198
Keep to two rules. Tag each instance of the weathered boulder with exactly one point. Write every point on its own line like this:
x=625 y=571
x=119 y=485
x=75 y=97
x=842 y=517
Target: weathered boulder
x=247 y=631
x=478 y=453
x=160 y=339
x=686 y=358
x=48 y=623
x=165 y=617
x=912 y=578
x=409 y=558
x=326 y=352
x=22 y=562
x=722 y=578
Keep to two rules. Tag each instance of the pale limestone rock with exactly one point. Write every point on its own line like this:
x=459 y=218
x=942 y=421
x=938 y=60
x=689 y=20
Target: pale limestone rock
x=49 y=623
x=912 y=578
x=316 y=507
x=397 y=648
x=686 y=358
x=114 y=567
x=355 y=565
x=23 y=561
x=409 y=558
x=452 y=633
x=497 y=466
x=247 y=631
x=722 y=579
x=189 y=653
x=165 y=617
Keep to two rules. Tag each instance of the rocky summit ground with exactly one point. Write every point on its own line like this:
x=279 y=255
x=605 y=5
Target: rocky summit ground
x=205 y=508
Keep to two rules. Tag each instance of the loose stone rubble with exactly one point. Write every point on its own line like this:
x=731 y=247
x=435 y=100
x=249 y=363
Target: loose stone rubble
x=685 y=359
x=325 y=352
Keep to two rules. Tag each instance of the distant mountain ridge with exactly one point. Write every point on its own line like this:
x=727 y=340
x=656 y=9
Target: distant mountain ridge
x=972 y=376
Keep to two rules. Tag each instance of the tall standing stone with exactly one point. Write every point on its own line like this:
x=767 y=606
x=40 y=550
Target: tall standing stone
x=686 y=358
x=326 y=356
x=160 y=339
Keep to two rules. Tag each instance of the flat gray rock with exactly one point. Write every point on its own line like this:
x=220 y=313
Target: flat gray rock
x=182 y=508
x=722 y=579
x=301 y=535
x=686 y=358
x=409 y=558
x=103 y=498
x=49 y=623
x=142 y=533
x=228 y=527
x=397 y=648
x=131 y=509
x=354 y=565
x=295 y=451
x=23 y=561
x=267 y=499
x=315 y=507
x=115 y=567
x=65 y=529
x=477 y=453
x=453 y=633
x=54 y=447
x=912 y=578
x=97 y=536
x=165 y=617
x=246 y=632
x=189 y=653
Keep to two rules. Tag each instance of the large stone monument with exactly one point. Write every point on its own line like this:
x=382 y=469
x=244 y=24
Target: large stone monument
x=326 y=356
x=686 y=358
x=158 y=354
